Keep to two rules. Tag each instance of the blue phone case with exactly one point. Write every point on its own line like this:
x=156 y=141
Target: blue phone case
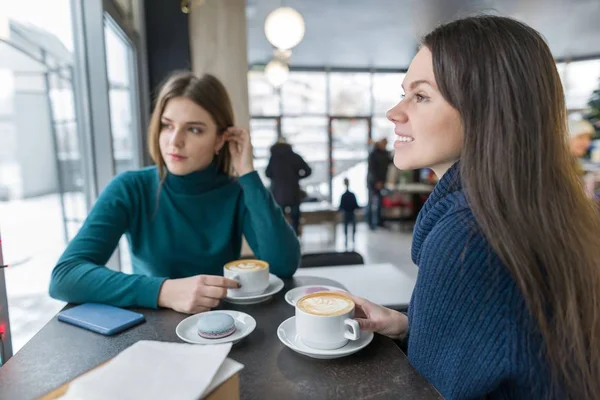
x=100 y=318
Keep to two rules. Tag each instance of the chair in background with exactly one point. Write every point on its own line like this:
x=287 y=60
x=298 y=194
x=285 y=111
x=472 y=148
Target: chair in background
x=328 y=259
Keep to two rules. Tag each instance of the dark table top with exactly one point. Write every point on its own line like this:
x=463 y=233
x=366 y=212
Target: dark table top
x=61 y=352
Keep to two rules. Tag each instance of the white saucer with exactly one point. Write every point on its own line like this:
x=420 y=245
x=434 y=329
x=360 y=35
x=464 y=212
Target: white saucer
x=275 y=285
x=293 y=295
x=244 y=325
x=288 y=336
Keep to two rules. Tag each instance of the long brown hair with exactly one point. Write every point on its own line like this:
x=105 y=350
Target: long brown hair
x=522 y=185
x=207 y=92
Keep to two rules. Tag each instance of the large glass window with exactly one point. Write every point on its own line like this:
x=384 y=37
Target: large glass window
x=42 y=201
x=308 y=137
x=123 y=105
x=264 y=134
x=356 y=103
x=120 y=63
x=350 y=94
x=264 y=98
x=305 y=93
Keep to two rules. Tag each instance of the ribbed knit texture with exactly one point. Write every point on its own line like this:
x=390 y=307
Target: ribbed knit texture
x=194 y=227
x=470 y=333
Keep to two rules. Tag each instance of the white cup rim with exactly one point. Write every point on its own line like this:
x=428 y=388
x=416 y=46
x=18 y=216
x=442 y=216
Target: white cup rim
x=298 y=309
x=256 y=261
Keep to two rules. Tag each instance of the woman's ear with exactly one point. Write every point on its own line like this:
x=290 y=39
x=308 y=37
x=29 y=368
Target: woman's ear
x=219 y=143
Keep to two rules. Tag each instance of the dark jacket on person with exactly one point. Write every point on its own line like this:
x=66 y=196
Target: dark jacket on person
x=379 y=162
x=285 y=170
x=348 y=202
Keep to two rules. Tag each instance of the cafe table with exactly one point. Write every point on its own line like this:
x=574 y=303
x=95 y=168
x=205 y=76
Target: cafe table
x=61 y=352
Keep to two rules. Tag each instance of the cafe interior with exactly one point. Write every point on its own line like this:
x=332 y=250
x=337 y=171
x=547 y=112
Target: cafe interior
x=80 y=77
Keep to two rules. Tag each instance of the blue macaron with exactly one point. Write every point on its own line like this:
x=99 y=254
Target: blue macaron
x=215 y=325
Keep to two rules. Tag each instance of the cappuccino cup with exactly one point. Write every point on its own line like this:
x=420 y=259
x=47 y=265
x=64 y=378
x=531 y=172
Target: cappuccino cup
x=253 y=275
x=324 y=320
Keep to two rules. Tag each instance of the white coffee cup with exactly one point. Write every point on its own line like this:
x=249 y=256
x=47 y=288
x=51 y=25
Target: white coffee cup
x=253 y=275
x=324 y=320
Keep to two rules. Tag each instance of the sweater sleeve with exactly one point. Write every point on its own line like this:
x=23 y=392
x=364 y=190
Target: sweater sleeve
x=81 y=274
x=268 y=233
x=460 y=319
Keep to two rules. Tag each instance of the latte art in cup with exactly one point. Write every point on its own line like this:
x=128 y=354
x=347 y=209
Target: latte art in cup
x=245 y=266
x=325 y=304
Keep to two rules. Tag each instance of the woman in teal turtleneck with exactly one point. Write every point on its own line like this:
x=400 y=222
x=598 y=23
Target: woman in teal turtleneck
x=184 y=218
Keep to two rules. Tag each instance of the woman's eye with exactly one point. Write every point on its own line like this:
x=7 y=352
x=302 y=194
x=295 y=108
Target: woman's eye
x=195 y=130
x=164 y=125
x=420 y=98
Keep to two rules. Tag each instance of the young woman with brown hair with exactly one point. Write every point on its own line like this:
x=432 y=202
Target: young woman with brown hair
x=507 y=301
x=184 y=218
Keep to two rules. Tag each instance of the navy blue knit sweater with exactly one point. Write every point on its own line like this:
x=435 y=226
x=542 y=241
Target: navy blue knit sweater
x=470 y=333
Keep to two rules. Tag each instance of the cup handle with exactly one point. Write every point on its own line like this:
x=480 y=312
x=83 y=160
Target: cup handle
x=355 y=329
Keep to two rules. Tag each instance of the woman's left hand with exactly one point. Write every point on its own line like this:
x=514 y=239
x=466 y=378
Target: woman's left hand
x=240 y=148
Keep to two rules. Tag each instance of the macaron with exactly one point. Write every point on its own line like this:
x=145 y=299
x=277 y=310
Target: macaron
x=215 y=325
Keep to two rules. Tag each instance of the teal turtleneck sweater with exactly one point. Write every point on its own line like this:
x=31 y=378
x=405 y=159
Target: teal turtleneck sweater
x=193 y=227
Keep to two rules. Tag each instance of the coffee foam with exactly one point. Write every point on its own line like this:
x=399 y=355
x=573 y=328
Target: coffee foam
x=246 y=266
x=325 y=304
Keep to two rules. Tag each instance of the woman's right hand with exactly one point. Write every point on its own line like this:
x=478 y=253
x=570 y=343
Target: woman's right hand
x=195 y=294
x=372 y=317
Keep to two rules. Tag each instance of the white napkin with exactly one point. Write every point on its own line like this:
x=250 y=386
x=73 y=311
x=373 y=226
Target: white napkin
x=157 y=370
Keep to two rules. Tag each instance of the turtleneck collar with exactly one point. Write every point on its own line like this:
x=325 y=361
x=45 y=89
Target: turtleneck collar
x=449 y=183
x=196 y=182
x=435 y=208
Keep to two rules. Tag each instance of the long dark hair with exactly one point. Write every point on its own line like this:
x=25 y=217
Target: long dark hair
x=207 y=92
x=522 y=184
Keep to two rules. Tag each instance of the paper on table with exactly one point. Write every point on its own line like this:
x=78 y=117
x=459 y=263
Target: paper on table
x=155 y=370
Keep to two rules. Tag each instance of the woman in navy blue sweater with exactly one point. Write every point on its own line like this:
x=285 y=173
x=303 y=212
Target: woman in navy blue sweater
x=507 y=301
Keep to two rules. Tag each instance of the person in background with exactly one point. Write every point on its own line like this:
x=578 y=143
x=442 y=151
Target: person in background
x=348 y=205
x=378 y=164
x=580 y=139
x=183 y=218
x=507 y=299
x=285 y=169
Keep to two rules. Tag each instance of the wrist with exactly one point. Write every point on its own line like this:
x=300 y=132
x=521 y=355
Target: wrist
x=246 y=171
x=164 y=294
x=399 y=327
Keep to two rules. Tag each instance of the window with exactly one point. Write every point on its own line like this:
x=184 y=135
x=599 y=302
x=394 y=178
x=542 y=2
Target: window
x=350 y=94
x=264 y=134
x=305 y=93
x=356 y=104
x=264 y=98
x=42 y=180
x=121 y=67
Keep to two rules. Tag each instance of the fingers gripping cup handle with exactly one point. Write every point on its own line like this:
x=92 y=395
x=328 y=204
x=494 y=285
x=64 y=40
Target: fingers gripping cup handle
x=354 y=332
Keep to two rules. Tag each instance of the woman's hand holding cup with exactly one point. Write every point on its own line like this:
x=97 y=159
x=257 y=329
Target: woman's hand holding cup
x=195 y=294
x=372 y=317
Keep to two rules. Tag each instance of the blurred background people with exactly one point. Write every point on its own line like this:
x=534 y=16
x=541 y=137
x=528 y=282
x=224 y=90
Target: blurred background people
x=580 y=137
x=286 y=168
x=378 y=164
x=348 y=205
